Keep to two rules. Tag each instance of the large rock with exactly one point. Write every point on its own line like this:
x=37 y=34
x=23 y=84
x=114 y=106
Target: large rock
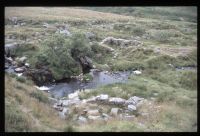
x=91 y=100
x=136 y=72
x=132 y=108
x=22 y=59
x=130 y=102
x=120 y=42
x=102 y=97
x=10 y=49
x=19 y=70
x=9 y=60
x=116 y=101
x=135 y=99
x=73 y=95
x=86 y=64
x=94 y=118
x=114 y=112
x=93 y=112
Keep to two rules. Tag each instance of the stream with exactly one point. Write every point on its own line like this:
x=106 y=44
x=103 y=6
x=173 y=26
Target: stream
x=99 y=79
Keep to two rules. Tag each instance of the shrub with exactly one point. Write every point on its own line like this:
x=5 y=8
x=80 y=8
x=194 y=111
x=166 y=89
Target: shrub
x=61 y=55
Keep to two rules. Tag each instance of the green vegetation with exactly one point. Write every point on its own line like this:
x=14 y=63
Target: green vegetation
x=171 y=13
x=40 y=96
x=61 y=55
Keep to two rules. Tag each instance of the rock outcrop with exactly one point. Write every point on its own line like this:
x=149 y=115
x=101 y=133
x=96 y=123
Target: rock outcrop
x=121 y=42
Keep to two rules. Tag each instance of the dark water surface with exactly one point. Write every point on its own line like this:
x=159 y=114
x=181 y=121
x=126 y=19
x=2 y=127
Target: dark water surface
x=99 y=79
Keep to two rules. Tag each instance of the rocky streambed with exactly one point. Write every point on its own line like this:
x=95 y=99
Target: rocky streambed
x=97 y=108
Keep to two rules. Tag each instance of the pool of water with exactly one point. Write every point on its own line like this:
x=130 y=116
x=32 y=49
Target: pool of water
x=99 y=79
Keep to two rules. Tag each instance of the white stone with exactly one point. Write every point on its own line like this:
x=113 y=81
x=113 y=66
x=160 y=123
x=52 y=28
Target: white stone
x=94 y=117
x=20 y=74
x=73 y=95
x=27 y=65
x=117 y=101
x=136 y=72
x=42 y=88
x=23 y=59
x=129 y=102
x=114 y=111
x=132 y=108
x=93 y=112
x=135 y=99
x=102 y=97
x=19 y=70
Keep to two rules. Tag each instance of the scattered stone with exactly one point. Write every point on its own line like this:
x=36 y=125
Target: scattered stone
x=42 y=88
x=136 y=72
x=129 y=102
x=6 y=66
x=73 y=95
x=114 y=112
x=10 y=48
x=46 y=25
x=9 y=59
x=104 y=115
x=27 y=65
x=22 y=59
x=93 y=112
x=19 y=74
x=94 y=118
x=82 y=119
x=135 y=99
x=132 y=108
x=120 y=42
x=116 y=101
x=102 y=97
x=19 y=70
